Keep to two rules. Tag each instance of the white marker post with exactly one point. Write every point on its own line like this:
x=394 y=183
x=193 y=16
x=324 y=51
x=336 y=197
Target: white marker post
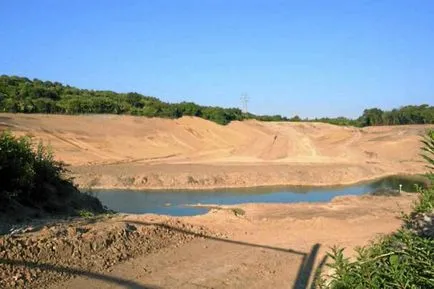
x=400 y=188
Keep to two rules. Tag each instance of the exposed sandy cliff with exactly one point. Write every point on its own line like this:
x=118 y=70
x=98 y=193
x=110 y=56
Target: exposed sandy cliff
x=137 y=152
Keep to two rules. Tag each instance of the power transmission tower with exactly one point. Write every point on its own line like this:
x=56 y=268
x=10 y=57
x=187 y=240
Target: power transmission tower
x=244 y=101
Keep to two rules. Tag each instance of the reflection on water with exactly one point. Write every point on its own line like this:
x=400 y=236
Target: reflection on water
x=408 y=184
x=173 y=202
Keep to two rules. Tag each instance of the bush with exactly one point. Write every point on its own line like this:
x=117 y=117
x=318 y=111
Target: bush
x=404 y=259
x=428 y=152
x=30 y=177
x=25 y=172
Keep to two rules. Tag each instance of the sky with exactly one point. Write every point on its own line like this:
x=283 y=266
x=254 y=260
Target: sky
x=307 y=58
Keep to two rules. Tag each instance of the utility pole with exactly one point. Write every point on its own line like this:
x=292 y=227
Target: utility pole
x=244 y=100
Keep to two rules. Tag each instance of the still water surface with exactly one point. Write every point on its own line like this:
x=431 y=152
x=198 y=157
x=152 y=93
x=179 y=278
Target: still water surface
x=175 y=203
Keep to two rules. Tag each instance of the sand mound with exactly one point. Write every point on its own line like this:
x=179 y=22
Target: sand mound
x=111 y=138
x=100 y=140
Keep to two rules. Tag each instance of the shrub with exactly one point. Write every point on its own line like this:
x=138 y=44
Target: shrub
x=404 y=259
x=30 y=177
x=428 y=152
x=24 y=172
x=401 y=260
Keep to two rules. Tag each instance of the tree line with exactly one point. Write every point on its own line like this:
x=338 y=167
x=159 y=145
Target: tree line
x=22 y=95
x=410 y=114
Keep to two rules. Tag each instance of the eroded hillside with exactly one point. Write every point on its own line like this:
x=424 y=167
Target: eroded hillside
x=163 y=153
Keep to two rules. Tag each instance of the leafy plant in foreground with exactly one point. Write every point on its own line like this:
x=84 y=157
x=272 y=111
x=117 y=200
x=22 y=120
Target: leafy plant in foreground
x=404 y=259
x=25 y=174
x=401 y=260
x=31 y=179
x=428 y=152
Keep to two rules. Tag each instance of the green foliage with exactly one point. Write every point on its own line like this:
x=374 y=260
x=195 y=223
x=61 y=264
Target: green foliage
x=411 y=114
x=31 y=178
x=425 y=203
x=401 y=260
x=85 y=213
x=275 y=118
x=404 y=259
x=428 y=150
x=23 y=172
x=373 y=116
x=338 y=121
x=20 y=94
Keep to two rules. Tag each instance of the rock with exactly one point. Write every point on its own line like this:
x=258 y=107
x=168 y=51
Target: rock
x=94 y=246
x=427 y=219
x=423 y=224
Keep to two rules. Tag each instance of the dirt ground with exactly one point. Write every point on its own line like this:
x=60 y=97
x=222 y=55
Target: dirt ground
x=269 y=246
x=111 y=151
x=247 y=246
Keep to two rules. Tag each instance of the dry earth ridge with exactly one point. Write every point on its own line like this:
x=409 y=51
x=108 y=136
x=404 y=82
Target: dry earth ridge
x=270 y=246
x=112 y=151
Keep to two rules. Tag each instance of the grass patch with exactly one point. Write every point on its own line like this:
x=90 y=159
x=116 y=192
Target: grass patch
x=85 y=214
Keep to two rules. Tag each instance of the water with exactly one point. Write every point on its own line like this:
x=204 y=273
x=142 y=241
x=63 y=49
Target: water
x=175 y=203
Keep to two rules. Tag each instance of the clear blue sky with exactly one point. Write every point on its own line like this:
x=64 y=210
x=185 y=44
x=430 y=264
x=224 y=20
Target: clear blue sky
x=312 y=58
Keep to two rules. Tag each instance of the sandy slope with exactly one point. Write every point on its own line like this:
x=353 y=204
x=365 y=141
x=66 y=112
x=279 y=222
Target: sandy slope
x=138 y=152
x=271 y=246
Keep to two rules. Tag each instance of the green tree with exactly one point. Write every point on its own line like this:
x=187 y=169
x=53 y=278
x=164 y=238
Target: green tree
x=31 y=178
x=20 y=94
x=372 y=116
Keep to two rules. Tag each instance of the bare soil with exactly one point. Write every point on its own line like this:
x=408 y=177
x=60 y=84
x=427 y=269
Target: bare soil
x=247 y=246
x=111 y=151
x=48 y=251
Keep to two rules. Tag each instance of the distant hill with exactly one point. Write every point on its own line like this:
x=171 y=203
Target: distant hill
x=20 y=94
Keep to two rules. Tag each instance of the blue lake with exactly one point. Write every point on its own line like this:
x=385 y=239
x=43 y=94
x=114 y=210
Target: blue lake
x=175 y=202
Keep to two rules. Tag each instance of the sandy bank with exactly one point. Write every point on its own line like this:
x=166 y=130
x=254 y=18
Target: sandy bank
x=203 y=177
x=262 y=248
x=111 y=151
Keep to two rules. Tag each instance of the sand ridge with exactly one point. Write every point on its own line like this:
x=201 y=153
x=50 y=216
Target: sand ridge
x=136 y=152
x=266 y=247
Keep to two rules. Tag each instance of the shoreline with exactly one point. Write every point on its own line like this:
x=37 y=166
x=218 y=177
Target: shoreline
x=245 y=235
x=416 y=176
x=125 y=153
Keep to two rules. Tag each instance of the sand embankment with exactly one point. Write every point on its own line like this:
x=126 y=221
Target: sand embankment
x=266 y=247
x=110 y=151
